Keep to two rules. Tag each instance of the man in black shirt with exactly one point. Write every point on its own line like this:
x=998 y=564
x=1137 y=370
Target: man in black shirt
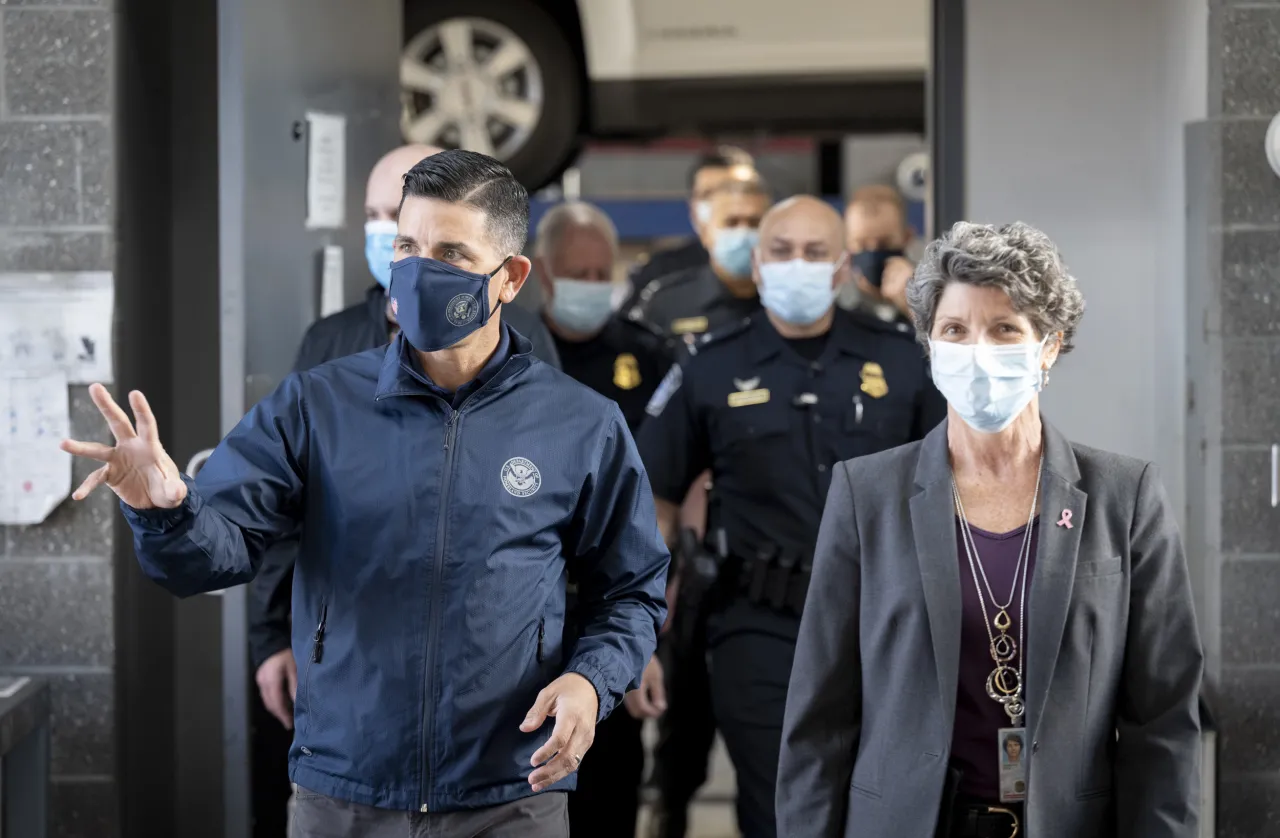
x=684 y=306
x=694 y=301
x=769 y=405
x=708 y=174
x=575 y=249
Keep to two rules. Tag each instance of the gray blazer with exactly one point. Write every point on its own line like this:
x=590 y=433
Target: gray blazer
x=1113 y=657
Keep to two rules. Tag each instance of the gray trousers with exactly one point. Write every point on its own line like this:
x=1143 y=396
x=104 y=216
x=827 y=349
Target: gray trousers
x=540 y=816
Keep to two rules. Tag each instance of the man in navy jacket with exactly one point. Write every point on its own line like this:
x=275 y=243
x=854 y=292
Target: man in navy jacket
x=443 y=488
x=365 y=325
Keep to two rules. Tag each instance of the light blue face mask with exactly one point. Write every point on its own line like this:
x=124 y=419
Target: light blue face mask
x=732 y=248
x=797 y=292
x=581 y=306
x=380 y=249
x=988 y=385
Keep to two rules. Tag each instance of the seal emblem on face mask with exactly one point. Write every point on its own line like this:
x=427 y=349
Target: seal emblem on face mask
x=462 y=309
x=520 y=477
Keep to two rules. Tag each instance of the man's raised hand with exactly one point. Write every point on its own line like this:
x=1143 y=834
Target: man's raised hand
x=136 y=468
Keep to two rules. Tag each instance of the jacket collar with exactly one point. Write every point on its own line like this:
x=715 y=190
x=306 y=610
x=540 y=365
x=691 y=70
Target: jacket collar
x=400 y=375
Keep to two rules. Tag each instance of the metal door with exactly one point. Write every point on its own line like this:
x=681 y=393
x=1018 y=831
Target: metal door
x=278 y=62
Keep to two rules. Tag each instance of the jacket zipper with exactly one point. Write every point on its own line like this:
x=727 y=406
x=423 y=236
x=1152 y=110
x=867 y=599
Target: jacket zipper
x=317 y=652
x=450 y=443
x=542 y=636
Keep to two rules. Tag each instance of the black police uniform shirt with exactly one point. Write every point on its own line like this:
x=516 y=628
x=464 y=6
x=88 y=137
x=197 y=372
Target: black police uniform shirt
x=770 y=417
x=690 y=303
x=689 y=254
x=620 y=363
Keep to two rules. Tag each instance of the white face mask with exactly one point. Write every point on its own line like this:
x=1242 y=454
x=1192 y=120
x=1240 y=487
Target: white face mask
x=796 y=291
x=988 y=385
x=581 y=306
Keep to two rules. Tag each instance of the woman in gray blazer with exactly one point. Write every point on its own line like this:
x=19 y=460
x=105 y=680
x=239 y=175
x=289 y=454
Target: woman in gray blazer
x=999 y=637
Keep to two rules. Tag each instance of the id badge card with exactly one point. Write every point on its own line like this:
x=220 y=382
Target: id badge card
x=1013 y=766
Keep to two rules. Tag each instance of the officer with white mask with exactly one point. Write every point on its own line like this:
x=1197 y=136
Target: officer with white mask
x=770 y=405
x=575 y=249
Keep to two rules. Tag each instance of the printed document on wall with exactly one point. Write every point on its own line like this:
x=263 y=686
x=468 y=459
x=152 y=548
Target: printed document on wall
x=35 y=474
x=57 y=321
x=326 y=171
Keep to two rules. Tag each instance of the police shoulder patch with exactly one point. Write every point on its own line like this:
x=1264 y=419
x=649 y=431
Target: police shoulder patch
x=666 y=389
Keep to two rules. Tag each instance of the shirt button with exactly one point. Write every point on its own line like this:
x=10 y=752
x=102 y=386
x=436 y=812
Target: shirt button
x=822 y=467
x=816 y=419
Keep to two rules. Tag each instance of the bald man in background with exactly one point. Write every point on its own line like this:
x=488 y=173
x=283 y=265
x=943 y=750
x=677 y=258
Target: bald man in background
x=365 y=325
x=770 y=405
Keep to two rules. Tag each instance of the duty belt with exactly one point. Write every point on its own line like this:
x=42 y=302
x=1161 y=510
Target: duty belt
x=777 y=577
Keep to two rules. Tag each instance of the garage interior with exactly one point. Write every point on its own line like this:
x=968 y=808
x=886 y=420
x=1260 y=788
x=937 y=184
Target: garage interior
x=178 y=133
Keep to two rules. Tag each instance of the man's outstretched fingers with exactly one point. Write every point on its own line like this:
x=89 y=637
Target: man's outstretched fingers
x=117 y=419
x=142 y=415
x=90 y=483
x=92 y=450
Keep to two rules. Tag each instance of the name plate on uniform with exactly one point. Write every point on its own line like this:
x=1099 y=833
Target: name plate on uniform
x=748 y=397
x=689 y=326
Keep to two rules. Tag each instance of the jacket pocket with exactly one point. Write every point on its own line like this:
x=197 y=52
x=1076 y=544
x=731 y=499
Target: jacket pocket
x=1101 y=567
x=508 y=660
x=313 y=658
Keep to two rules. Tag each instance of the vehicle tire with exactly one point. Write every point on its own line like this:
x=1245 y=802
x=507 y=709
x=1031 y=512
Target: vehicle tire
x=537 y=91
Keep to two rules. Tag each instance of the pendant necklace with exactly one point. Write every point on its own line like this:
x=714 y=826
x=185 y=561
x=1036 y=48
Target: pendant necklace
x=1004 y=684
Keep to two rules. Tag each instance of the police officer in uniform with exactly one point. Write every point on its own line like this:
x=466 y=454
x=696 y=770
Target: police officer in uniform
x=769 y=405
x=684 y=306
x=574 y=252
x=691 y=302
x=711 y=171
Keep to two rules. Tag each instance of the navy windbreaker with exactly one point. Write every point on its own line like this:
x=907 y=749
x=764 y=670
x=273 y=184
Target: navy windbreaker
x=429 y=595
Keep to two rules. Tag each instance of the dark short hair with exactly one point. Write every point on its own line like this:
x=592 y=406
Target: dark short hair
x=480 y=182
x=721 y=157
x=1012 y=737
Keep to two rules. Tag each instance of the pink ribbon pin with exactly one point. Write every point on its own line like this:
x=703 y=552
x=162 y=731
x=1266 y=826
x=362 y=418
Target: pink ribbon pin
x=1065 y=520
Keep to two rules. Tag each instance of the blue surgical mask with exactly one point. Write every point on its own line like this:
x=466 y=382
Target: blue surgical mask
x=438 y=305
x=732 y=248
x=580 y=306
x=380 y=249
x=797 y=292
x=988 y=385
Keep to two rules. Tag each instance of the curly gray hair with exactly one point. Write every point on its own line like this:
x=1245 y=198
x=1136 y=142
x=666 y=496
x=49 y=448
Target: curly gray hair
x=1016 y=258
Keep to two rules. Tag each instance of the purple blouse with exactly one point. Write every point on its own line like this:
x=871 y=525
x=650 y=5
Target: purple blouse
x=978 y=718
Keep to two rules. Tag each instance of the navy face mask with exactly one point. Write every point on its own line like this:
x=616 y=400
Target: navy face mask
x=870 y=263
x=438 y=305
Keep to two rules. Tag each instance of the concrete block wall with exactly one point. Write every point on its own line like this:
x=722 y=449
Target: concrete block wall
x=56 y=214
x=1235 y=321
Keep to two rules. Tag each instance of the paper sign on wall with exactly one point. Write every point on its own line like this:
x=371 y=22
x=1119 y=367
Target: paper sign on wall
x=332 y=296
x=326 y=170
x=35 y=474
x=57 y=322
